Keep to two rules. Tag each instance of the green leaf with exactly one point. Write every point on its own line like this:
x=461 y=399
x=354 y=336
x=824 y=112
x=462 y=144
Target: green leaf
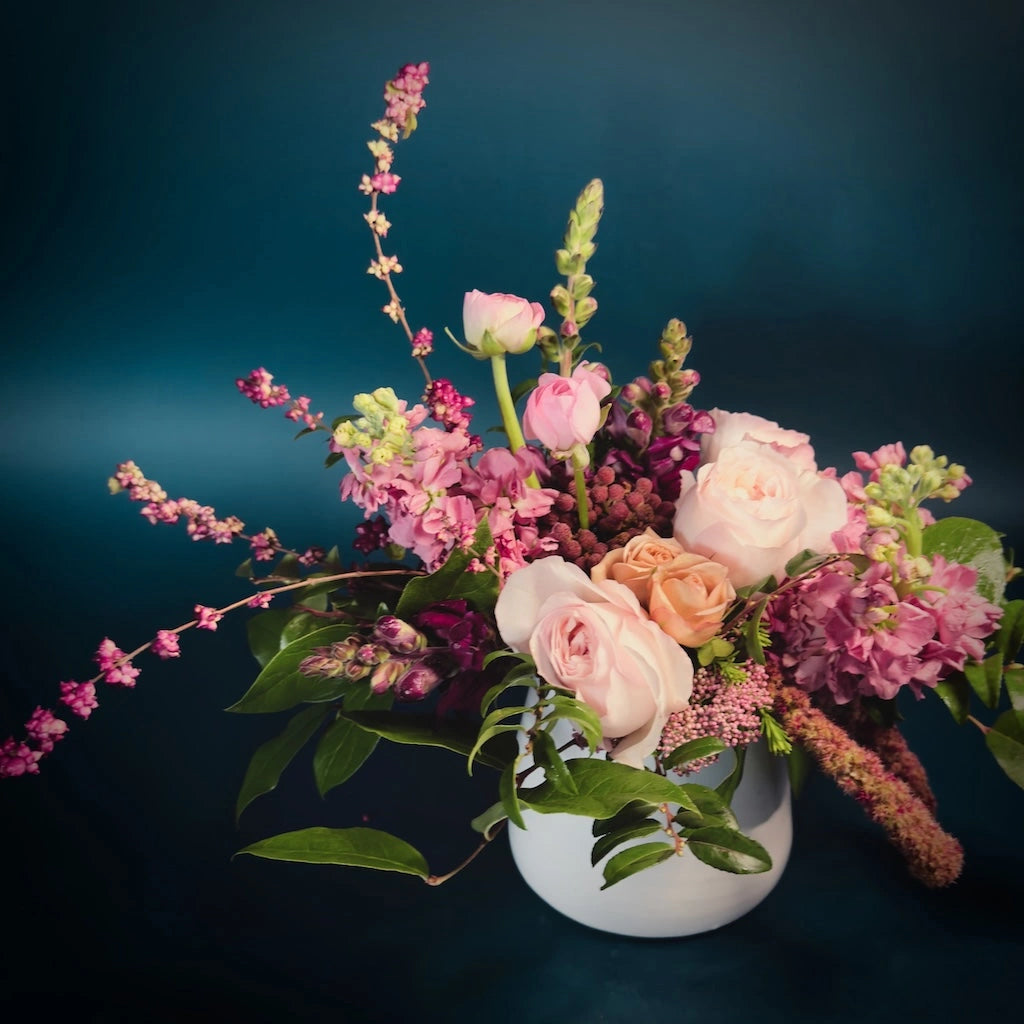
x=729 y=850
x=264 y=633
x=490 y=727
x=288 y=566
x=692 y=750
x=968 y=542
x=581 y=715
x=752 y=633
x=245 y=570
x=986 y=678
x=604 y=788
x=427 y=731
x=955 y=692
x=271 y=759
x=711 y=809
x=1011 y=631
x=606 y=843
x=633 y=812
x=344 y=747
x=300 y=624
x=726 y=789
x=509 y=794
x=352 y=847
x=1006 y=741
x=281 y=685
x=545 y=753
x=806 y=561
x=485 y=823
x=453 y=581
x=1014 y=678
x=636 y=858
x=519 y=675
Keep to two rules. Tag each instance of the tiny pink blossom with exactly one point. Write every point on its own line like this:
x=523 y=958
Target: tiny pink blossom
x=116 y=667
x=258 y=388
x=166 y=644
x=18 y=759
x=385 y=182
x=259 y=600
x=208 y=617
x=45 y=729
x=80 y=697
x=423 y=342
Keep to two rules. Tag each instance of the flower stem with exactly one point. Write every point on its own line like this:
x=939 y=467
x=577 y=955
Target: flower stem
x=581 y=493
x=508 y=410
x=439 y=879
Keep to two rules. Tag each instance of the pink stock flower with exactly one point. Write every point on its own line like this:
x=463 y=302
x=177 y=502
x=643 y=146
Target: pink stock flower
x=497 y=323
x=595 y=640
x=565 y=412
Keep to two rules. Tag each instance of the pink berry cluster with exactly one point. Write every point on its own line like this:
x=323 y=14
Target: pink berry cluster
x=718 y=707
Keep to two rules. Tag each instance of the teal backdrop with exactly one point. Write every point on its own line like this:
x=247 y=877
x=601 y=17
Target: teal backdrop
x=828 y=193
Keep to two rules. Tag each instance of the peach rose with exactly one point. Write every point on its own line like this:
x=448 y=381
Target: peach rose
x=685 y=593
x=595 y=640
x=689 y=597
x=634 y=563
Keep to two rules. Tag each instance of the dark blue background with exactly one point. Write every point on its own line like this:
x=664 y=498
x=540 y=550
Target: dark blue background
x=827 y=192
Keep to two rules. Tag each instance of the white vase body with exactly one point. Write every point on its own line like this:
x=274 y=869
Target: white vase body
x=681 y=895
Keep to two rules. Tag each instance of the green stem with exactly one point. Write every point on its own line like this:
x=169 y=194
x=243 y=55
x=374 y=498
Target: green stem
x=581 y=493
x=508 y=410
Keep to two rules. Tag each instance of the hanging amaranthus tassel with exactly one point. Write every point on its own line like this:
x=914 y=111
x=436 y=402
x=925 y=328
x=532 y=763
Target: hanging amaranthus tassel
x=933 y=856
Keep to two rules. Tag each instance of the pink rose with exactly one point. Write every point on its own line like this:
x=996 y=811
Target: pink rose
x=753 y=509
x=732 y=428
x=563 y=412
x=594 y=639
x=498 y=323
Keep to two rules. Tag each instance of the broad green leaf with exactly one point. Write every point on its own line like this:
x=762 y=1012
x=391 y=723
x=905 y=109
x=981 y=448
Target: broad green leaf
x=806 y=561
x=300 y=624
x=344 y=747
x=1014 y=678
x=1006 y=741
x=703 y=746
x=711 y=809
x=288 y=566
x=633 y=812
x=955 y=692
x=729 y=850
x=353 y=847
x=726 y=789
x=986 y=678
x=485 y=823
x=427 y=731
x=546 y=754
x=604 y=788
x=510 y=795
x=271 y=759
x=245 y=570
x=1011 y=631
x=968 y=542
x=264 y=633
x=606 y=843
x=281 y=685
x=453 y=581
x=636 y=858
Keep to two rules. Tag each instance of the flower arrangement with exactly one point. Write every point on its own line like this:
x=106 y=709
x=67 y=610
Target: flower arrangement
x=625 y=576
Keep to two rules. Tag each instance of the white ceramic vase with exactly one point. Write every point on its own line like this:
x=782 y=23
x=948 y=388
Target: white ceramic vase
x=681 y=895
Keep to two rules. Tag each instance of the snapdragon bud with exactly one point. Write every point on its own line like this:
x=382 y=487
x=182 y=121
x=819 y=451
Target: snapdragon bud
x=398 y=635
x=417 y=683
